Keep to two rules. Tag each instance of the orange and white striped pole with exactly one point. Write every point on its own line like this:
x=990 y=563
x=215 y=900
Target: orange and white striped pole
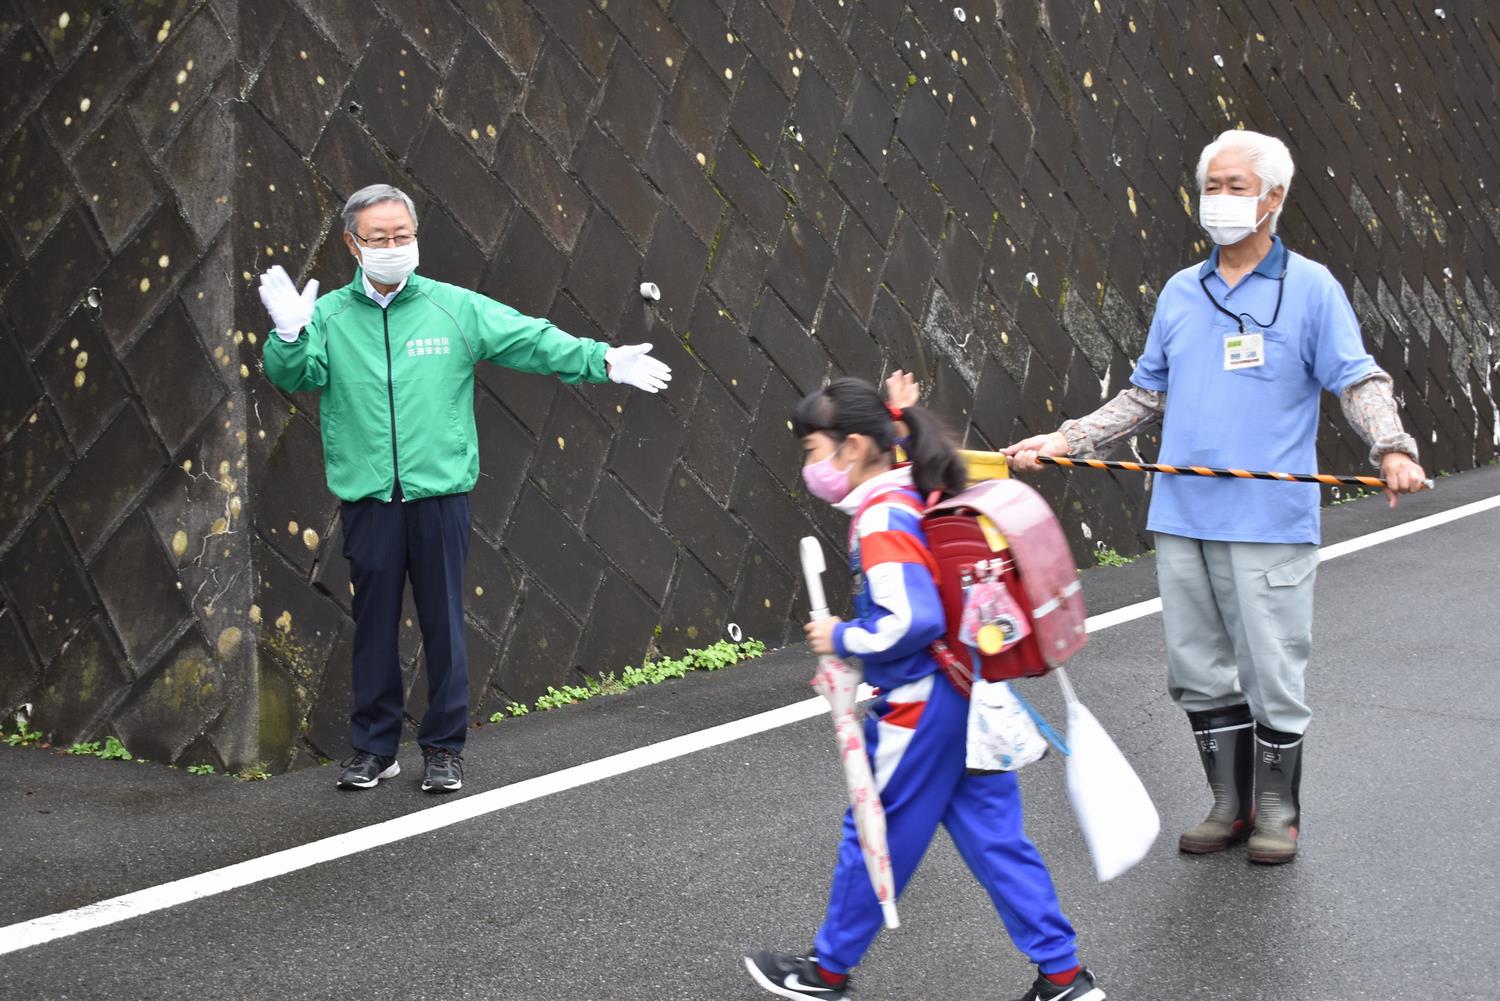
x=1244 y=474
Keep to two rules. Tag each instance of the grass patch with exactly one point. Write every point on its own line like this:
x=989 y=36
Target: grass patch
x=24 y=736
x=652 y=672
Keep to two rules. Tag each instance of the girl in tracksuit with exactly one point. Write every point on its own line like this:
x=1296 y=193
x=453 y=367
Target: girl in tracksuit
x=916 y=729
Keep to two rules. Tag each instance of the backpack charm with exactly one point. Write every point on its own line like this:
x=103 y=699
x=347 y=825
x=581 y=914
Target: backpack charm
x=992 y=620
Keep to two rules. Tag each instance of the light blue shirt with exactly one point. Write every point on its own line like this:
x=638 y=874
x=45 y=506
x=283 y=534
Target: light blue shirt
x=1258 y=418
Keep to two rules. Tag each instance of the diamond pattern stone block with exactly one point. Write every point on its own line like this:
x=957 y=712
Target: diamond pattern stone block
x=816 y=187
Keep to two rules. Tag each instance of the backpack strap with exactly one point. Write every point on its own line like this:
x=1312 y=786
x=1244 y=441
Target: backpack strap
x=959 y=674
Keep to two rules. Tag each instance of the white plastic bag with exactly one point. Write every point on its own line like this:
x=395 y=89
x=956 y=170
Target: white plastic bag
x=1002 y=735
x=1116 y=814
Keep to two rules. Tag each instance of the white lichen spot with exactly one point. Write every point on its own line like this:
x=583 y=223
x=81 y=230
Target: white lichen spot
x=63 y=20
x=235 y=506
x=478 y=592
x=291 y=528
x=561 y=444
x=84 y=104
x=79 y=379
x=284 y=622
x=310 y=538
x=175 y=107
x=83 y=358
x=229 y=641
x=728 y=73
x=164 y=31
x=163 y=261
x=145 y=285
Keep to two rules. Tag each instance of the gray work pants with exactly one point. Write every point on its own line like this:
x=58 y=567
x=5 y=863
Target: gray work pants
x=1238 y=621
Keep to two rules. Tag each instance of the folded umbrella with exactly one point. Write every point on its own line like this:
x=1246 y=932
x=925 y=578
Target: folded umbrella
x=838 y=682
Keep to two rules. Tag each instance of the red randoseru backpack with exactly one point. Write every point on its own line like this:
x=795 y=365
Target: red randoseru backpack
x=1036 y=567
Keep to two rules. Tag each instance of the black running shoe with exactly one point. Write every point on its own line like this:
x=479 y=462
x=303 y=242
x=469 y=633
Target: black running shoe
x=442 y=771
x=793 y=977
x=1081 y=989
x=365 y=770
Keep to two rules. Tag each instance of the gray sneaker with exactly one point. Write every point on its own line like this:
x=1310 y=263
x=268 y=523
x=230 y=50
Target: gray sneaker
x=365 y=770
x=442 y=771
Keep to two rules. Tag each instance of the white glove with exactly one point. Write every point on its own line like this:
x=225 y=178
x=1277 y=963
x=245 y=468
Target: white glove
x=631 y=365
x=290 y=310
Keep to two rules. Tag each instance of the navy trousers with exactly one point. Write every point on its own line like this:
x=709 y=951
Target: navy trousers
x=428 y=541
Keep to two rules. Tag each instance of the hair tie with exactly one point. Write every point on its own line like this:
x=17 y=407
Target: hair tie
x=896 y=412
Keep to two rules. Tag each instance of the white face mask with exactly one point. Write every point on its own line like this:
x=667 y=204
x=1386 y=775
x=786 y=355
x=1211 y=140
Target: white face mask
x=1229 y=218
x=389 y=265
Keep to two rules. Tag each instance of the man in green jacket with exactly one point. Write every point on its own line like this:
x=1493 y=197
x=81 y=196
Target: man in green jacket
x=393 y=356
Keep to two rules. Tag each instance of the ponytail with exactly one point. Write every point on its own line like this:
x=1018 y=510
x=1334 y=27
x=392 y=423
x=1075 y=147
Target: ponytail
x=852 y=406
x=936 y=465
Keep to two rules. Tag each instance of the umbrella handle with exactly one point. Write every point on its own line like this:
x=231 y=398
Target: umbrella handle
x=812 y=570
x=888 y=908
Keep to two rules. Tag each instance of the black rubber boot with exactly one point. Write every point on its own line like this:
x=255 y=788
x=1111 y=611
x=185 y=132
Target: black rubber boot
x=1224 y=737
x=1278 y=799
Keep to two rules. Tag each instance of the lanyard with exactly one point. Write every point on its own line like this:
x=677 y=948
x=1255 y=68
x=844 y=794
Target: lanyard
x=1240 y=317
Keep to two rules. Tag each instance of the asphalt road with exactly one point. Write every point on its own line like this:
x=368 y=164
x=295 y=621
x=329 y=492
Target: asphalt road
x=651 y=884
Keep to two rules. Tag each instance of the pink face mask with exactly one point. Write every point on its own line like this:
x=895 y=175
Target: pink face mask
x=826 y=481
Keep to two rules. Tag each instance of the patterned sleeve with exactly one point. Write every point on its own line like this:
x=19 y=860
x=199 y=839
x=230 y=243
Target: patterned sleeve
x=1097 y=434
x=907 y=611
x=1370 y=406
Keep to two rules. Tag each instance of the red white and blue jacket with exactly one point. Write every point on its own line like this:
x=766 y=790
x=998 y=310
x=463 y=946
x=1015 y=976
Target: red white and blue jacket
x=896 y=603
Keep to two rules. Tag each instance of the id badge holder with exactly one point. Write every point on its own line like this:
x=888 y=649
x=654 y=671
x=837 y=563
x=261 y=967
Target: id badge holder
x=1244 y=349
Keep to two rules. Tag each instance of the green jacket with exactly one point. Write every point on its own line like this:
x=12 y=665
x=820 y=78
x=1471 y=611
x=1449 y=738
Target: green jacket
x=398 y=383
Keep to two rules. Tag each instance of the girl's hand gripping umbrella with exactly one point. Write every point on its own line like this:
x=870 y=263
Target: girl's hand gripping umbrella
x=837 y=682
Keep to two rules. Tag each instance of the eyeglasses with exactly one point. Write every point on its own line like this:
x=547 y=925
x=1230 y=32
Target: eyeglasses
x=402 y=240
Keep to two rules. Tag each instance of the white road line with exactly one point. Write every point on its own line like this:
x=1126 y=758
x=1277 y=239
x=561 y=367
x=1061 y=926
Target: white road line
x=37 y=931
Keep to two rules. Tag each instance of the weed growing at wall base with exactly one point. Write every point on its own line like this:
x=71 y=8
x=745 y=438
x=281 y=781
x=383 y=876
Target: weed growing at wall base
x=722 y=654
x=24 y=735
x=110 y=750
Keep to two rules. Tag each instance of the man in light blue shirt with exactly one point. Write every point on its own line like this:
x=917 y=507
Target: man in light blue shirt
x=1242 y=345
x=1299 y=334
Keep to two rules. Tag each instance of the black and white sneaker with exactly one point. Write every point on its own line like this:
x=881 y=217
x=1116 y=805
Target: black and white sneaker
x=793 y=977
x=1081 y=989
x=442 y=770
x=365 y=770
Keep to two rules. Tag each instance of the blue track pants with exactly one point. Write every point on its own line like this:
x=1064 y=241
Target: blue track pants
x=916 y=735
